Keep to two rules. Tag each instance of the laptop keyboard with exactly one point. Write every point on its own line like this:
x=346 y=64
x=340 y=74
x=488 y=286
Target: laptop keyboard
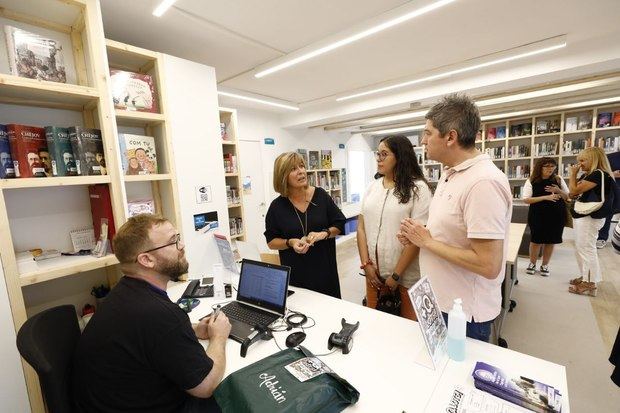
x=247 y=315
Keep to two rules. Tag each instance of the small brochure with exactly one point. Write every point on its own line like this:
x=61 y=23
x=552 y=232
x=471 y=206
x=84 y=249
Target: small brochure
x=431 y=322
x=306 y=368
x=228 y=258
x=466 y=399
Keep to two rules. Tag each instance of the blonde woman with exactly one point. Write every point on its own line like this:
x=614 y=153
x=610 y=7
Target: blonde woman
x=301 y=224
x=595 y=166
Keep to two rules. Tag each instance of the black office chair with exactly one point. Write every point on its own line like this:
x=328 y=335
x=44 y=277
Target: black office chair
x=47 y=342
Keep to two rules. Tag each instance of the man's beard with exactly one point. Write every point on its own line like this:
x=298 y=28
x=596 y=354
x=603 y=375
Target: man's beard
x=174 y=269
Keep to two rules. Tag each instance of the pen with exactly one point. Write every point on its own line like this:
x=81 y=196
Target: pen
x=217 y=312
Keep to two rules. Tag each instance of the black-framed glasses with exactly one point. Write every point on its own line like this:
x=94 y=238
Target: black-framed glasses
x=177 y=241
x=381 y=155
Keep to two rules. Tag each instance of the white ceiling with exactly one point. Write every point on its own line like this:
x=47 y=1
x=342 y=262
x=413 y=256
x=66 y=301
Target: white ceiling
x=237 y=36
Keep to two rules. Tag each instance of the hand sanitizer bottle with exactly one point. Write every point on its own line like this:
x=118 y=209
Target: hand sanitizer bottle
x=457 y=325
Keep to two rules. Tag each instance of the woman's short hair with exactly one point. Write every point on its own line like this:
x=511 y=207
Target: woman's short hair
x=133 y=236
x=282 y=167
x=597 y=158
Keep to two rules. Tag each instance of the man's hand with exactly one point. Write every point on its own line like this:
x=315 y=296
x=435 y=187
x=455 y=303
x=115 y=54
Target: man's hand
x=218 y=328
x=202 y=329
x=415 y=232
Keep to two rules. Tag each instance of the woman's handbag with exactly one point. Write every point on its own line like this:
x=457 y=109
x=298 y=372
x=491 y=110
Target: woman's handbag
x=585 y=208
x=389 y=301
x=291 y=380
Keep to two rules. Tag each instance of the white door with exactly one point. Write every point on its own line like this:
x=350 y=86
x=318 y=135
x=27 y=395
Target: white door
x=254 y=204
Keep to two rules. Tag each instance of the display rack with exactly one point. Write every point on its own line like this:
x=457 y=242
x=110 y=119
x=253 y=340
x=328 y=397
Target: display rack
x=331 y=180
x=233 y=176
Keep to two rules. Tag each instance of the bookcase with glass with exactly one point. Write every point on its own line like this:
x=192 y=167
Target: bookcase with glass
x=64 y=181
x=232 y=173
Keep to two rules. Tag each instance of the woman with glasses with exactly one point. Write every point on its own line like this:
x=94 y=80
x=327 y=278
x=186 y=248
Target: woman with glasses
x=400 y=192
x=301 y=224
x=546 y=193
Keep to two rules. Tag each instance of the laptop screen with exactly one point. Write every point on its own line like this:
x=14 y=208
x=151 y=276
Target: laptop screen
x=264 y=285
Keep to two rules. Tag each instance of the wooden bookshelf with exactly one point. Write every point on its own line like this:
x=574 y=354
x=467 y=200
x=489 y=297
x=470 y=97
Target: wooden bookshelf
x=53 y=181
x=233 y=180
x=65 y=266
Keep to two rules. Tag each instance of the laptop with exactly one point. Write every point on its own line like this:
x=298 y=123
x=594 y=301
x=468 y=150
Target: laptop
x=261 y=297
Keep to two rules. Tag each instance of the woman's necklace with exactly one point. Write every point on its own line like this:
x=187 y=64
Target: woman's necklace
x=304 y=229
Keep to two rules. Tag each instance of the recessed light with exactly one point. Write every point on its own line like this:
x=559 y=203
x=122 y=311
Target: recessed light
x=396 y=130
x=251 y=99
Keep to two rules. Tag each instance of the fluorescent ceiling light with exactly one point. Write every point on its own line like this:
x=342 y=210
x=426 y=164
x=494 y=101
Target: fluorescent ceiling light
x=393 y=118
x=560 y=107
x=454 y=72
x=396 y=130
x=358 y=36
x=163 y=7
x=264 y=102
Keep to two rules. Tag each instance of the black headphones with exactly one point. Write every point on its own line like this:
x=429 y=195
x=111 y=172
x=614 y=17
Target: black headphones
x=295 y=320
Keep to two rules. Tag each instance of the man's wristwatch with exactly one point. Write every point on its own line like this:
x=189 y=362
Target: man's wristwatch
x=395 y=276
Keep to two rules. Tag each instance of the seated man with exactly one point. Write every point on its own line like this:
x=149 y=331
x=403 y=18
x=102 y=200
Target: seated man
x=140 y=352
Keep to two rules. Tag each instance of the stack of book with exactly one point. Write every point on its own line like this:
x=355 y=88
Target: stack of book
x=522 y=391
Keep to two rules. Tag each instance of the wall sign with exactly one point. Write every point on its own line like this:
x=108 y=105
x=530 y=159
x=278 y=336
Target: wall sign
x=270 y=141
x=341 y=146
x=205 y=222
x=203 y=194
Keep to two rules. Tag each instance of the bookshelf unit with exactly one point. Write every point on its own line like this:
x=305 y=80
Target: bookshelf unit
x=232 y=175
x=331 y=180
x=40 y=212
x=560 y=135
x=161 y=187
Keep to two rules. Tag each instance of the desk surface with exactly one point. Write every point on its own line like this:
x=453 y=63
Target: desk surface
x=384 y=362
x=514 y=241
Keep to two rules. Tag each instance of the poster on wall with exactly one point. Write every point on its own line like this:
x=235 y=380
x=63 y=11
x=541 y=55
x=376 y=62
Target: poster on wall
x=206 y=222
x=247 y=185
x=203 y=194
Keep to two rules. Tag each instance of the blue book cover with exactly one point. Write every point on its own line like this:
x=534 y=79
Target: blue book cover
x=520 y=390
x=7 y=170
x=500 y=132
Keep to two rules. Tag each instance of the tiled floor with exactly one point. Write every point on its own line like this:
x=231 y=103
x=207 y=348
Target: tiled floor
x=548 y=322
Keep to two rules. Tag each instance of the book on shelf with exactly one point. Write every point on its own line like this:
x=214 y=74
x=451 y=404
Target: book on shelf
x=615 y=121
x=570 y=124
x=500 y=132
x=28 y=145
x=133 y=91
x=235 y=225
x=542 y=126
x=101 y=208
x=516 y=191
x=609 y=144
x=546 y=149
x=230 y=163
x=520 y=390
x=304 y=154
x=603 y=120
x=138 y=154
x=87 y=147
x=232 y=195
x=491 y=133
x=223 y=131
x=585 y=122
x=554 y=125
x=61 y=151
x=7 y=169
x=522 y=129
x=313 y=159
x=140 y=206
x=34 y=56
x=326 y=159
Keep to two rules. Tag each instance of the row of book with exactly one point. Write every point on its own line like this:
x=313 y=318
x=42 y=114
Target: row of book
x=31 y=151
x=498 y=132
x=609 y=144
x=545 y=149
x=522 y=129
x=432 y=174
x=518 y=171
x=230 y=163
x=316 y=159
x=607 y=119
x=235 y=225
x=573 y=147
x=577 y=123
x=518 y=151
x=496 y=153
x=547 y=126
x=232 y=195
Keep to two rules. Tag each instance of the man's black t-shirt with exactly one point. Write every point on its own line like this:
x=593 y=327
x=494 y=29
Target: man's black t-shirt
x=138 y=353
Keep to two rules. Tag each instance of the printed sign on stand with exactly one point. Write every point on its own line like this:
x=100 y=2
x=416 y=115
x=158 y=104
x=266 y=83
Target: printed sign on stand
x=431 y=323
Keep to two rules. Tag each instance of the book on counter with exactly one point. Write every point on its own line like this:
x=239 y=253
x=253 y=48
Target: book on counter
x=61 y=152
x=87 y=147
x=133 y=91
x=34 y=56
x=138 y=154
x=520 y=390
x=28 y=147
x=7 y=169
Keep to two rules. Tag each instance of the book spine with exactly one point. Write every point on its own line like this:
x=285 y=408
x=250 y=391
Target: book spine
x=10 y=47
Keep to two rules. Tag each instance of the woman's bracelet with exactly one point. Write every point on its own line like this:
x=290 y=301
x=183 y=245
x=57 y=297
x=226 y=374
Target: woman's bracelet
x=365 y=264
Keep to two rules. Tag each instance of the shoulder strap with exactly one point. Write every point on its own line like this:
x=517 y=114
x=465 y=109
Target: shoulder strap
x=603 y=179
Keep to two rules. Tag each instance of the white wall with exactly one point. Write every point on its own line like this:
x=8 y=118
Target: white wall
x=195 y=127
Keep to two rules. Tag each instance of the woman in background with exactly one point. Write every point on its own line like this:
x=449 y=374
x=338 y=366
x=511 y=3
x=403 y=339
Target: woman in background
x=546 y=193
x=400 y=192
x=301 y=224
x=593 y=162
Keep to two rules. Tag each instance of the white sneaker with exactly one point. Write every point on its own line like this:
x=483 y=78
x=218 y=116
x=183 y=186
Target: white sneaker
x=600 y=243
x=544 y=270
x=531 y=269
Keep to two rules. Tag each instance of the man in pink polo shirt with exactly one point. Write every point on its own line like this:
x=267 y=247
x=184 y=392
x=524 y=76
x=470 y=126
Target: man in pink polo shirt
x=464 y=244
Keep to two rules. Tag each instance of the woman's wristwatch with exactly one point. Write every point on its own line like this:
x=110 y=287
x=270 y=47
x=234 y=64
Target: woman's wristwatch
x=395 y=276
x=329 y=234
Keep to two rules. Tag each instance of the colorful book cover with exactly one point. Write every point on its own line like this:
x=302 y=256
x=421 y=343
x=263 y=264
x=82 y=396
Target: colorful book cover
x=603 y=120
x=34 y=56
x=29 y=151
x=138 y=154
x=491 y=133
x=517 y=389
x=585 y=122
x=304 y=154
x=87 y=147
x=616 y=119
x=570 y=124
x=326 y=159
x=101 y=207
x=313 y=159
x=7 y=170
x=500 y=132
x=61 y=152
x=133 y=91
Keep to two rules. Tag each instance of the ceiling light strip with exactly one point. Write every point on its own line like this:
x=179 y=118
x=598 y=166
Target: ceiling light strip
x=251 y=99
x=358 y=36
x=454 y=72
x=163 y=7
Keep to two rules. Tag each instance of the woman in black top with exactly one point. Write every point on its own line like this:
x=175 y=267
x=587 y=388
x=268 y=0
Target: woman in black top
x=301 y=224
x=545 y=192
x=594 y=164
